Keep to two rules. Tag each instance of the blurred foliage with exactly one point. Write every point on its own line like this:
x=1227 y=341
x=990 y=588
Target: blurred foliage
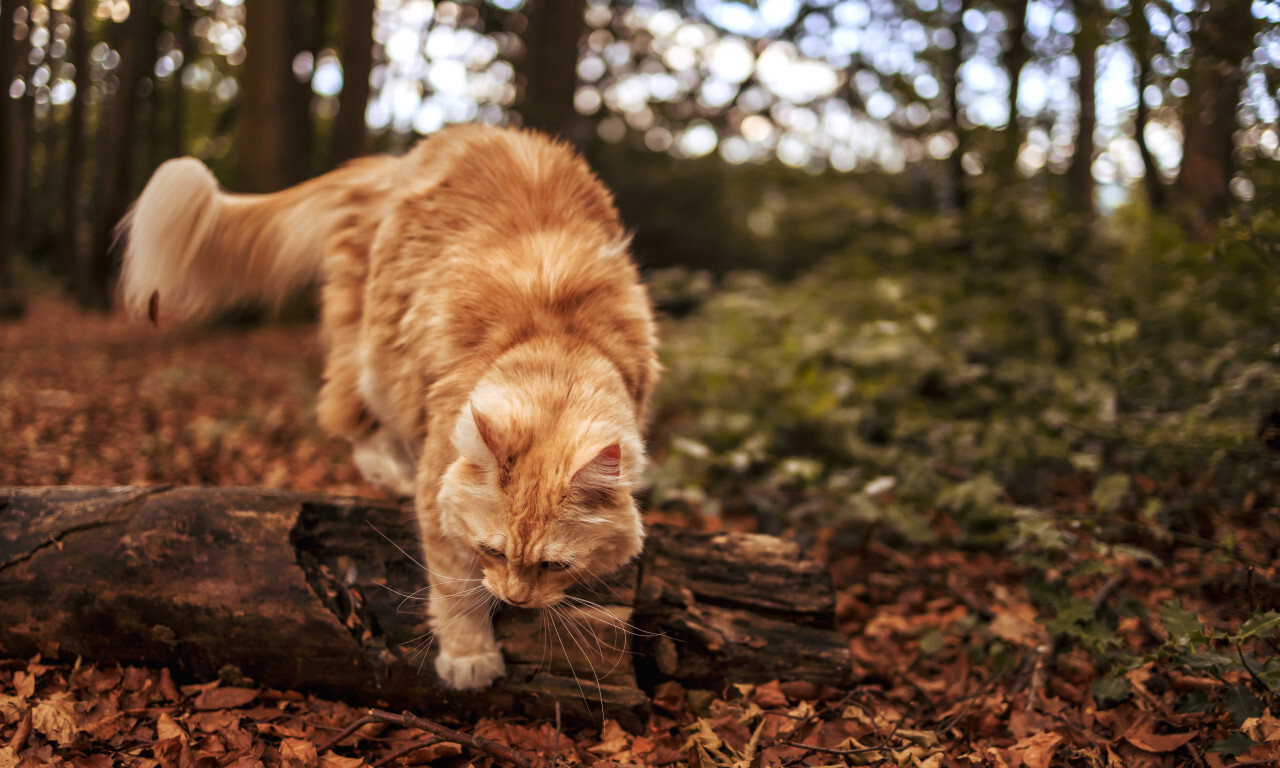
x=929 y=366
x=1084 y=401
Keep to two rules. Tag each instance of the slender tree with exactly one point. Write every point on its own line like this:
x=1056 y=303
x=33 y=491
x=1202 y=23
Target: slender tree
x=1080 y=182
x=958 y=199
x=11 y=300
x=548 y=71
x=355 y=46
x=69 y=231
x=1157 y=192
x=1221 y=39
x=178 y=117
x=137 y=59
x=274 y=118
x=1015 y=57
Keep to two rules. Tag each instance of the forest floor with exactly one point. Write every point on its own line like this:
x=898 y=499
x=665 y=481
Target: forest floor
x=956 y=663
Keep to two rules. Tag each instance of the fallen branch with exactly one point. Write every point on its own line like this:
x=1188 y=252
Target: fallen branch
x=323 y=594
x=409 y=720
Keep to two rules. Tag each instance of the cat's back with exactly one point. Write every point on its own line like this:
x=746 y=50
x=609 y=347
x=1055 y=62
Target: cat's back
x=500 y=236
x=487 y=183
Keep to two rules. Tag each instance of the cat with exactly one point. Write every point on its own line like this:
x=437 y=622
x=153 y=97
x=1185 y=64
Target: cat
x=491 y=349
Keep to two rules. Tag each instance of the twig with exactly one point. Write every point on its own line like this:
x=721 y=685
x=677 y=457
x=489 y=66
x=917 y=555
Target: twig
x=949 y=470
x=883 y=745
x=407 y=720
x=1108 y=590
x=401 y=752
x=350 y=729
x=1261 y=683
x=555 y=755
x=1039 y=675
x=969 y=699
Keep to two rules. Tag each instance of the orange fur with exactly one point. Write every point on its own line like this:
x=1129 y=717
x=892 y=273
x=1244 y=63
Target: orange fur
x=492 y=350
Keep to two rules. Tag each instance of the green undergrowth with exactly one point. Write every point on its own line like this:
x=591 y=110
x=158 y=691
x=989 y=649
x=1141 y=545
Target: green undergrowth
x=1082 y=404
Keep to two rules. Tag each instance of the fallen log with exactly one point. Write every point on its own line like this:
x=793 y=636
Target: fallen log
x=324 y=594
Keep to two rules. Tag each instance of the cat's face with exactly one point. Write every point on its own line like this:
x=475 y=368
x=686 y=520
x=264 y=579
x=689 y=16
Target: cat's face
x=541 y=515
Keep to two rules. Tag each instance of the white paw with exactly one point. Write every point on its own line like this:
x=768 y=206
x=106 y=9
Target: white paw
x=477 y=670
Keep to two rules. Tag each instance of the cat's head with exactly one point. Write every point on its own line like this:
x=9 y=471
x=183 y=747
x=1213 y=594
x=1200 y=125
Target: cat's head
x=541 y=492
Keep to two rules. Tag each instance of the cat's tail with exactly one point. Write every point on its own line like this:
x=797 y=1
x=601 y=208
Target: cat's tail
x=193 y=250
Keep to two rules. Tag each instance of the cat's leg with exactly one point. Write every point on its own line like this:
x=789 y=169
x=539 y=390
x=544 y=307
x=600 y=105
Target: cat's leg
x=386 y=461
x=469 y=656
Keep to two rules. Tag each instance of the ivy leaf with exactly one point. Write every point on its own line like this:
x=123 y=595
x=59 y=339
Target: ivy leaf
x=1243 y=704
x=1179 y=622
x=1111 y=689
x=1235 y=745
x=1259 y=625
x=1109 y=493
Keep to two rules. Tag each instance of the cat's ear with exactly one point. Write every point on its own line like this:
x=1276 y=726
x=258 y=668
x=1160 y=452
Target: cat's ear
x=602 y=471
x=492 y=440
x=477 y=439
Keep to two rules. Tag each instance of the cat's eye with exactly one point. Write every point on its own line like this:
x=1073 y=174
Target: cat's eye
x=554 y=566
x=496 y=554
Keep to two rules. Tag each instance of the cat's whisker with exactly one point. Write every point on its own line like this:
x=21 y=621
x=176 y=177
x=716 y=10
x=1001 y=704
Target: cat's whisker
x=630 y=628
x=575 y=636
x=601 y=643
x=572 y=670
x=592 y=620
x=436 y=599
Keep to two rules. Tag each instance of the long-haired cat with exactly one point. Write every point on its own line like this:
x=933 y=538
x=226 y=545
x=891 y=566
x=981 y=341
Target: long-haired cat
x=491 y=350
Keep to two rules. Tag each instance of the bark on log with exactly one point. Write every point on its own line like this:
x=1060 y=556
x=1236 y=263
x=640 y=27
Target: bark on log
x=323 y=594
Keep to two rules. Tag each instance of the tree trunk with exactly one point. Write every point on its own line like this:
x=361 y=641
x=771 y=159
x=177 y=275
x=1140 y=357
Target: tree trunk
x=274 y=119
x=355 y=46
x=956 y=198
x=1080 y=183
x=185 y=43
x=321 y=593
x=1157 y=193
x=137 y=57
x=73 y=159
x=11 y=300
x=1222 y=38
x=548 y=73
x=1015 y=59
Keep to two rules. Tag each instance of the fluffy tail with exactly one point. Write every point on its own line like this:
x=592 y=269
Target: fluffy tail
x=193 y=250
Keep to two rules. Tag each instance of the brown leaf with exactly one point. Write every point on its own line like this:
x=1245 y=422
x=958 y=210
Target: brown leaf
x=168 y=728
x=298 y=753
x=213 y=721
x=167 y=689
x=669 y=696
x=1143 y=736
x=770 y=695
x=56 y=718
x=24 y=685
x=1262 y=729
x=433 y=752
x=168 y=752
x=12 y=708
x=1036 y=751
x=224 y=698
x=330 y=760
x=1023 y=723
x=91 y=761
x=1018 y=627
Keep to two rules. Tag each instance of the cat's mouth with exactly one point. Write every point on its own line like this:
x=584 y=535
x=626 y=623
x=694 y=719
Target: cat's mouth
x=532 y=601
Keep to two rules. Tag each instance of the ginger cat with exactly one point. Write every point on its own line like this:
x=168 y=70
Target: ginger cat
x=491 y=350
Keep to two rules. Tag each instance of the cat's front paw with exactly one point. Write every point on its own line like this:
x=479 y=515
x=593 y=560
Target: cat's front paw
x=476 y=670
